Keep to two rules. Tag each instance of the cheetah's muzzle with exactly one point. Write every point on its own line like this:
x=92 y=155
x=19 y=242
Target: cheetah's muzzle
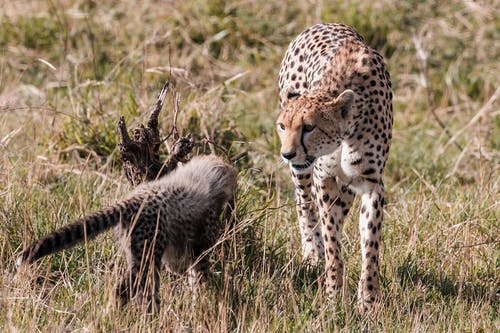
x=302 y=167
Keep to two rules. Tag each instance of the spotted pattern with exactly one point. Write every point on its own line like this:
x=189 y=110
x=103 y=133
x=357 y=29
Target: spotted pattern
x=335 y=126
x=172 y=222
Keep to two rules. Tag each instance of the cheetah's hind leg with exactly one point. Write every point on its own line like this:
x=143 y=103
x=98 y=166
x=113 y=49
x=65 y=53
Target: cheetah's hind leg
x=141 y=281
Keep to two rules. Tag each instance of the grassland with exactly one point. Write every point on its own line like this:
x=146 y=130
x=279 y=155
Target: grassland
x=69 y=69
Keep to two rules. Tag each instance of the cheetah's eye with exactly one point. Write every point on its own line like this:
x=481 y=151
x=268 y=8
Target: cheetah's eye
x=281 y=126
x=308 y=128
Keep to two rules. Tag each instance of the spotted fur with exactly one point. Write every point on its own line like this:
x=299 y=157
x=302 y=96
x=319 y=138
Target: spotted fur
x=172 y=221
x=335 y=127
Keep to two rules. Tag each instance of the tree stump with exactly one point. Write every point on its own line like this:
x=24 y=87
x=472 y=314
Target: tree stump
x=141 y=152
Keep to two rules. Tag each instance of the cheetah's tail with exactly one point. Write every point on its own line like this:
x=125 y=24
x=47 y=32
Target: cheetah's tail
x=69 y=235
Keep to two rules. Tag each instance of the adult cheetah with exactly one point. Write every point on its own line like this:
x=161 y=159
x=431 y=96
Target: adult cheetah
x=335 y=127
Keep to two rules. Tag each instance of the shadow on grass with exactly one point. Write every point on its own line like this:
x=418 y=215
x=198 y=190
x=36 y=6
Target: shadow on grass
x=411 y=274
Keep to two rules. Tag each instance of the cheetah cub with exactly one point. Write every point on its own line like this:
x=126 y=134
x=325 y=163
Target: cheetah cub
x=171 y=221
x=335 y=127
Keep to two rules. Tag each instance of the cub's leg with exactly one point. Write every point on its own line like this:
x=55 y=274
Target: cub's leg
x=204 y=239
x=140 y=282
x=370 y=224
x=142 y=279
x=334 y=202
x=197 y=273
x=310 y=231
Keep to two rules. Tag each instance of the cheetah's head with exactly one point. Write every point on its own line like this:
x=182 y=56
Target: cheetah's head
x=312 y=125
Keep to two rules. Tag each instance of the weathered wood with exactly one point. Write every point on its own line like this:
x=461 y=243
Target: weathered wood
x=141 y=152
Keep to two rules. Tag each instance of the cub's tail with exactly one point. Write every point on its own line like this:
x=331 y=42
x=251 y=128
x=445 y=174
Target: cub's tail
x=68 y=236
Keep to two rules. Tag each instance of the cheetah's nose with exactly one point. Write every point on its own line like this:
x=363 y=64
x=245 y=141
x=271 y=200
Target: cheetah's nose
x=289 y=155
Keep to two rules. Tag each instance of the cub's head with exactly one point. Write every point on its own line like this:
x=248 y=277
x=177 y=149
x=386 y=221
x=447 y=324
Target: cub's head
x=312 y=125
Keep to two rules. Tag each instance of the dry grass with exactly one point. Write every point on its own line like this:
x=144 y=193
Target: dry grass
x=69 y=69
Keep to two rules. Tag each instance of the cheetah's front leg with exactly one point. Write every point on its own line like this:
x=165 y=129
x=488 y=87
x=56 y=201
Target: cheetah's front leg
x=370 y=224
x=310 y=231
x=197 y=273
x=334 y=202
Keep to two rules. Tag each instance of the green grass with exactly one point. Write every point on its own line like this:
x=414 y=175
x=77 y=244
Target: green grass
x=69 y=69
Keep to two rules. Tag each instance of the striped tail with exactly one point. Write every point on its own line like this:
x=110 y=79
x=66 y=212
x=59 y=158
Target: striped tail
x=68 y=236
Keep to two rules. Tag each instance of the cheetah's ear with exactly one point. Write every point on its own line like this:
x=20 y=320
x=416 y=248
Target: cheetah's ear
x=344 y=102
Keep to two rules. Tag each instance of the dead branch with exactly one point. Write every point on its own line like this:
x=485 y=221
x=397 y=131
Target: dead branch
x=141 y=152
